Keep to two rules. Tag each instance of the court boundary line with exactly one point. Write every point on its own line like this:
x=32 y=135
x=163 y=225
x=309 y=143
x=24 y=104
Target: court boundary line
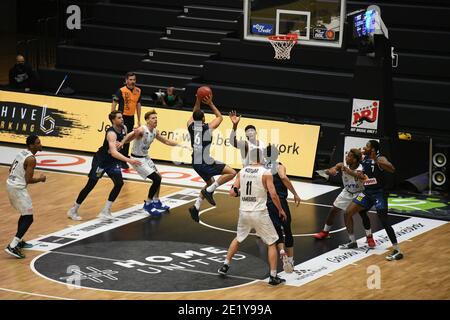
x=35 y=294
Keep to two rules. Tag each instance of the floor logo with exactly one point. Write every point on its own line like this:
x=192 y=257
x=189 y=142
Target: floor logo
x=148 y=266
x=93 y=274
x=409 y=204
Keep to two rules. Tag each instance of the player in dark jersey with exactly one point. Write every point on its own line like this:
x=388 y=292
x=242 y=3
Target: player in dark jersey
x=283 y=228
x=106 y=159
x=374 y=194
x=202 y=162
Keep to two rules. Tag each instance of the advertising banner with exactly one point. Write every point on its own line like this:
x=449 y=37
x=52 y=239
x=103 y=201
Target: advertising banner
x=75 y=124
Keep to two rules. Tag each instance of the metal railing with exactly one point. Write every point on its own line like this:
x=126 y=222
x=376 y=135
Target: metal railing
x=40 y=50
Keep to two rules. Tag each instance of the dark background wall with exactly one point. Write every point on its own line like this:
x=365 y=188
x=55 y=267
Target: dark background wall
x=8 y=9
x=313 y=87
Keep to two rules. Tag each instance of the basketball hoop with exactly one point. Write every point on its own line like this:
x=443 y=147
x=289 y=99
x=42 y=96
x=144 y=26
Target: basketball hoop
x=283 y=45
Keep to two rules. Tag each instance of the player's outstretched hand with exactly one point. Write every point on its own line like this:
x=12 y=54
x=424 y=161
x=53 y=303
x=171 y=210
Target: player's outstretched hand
x=135 y=162
x=42 y=177
x=332 y=171
x=234 y=117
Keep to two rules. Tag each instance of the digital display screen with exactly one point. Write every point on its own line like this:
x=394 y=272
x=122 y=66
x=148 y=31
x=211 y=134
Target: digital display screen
x=364 y=23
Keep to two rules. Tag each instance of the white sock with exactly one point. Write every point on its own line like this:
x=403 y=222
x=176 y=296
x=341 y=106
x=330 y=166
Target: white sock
x=15 y=241
x=212 y=187
x=352 y=237
x=291 y=260
x=273 y=273
x=282 y=252
x=108 y=205
x=76 y=206
x=396 y=247
x=148 y=201
x=368 y=232
x=198 y=203
x=327 y=228
x=155 y=200
x=227 y=262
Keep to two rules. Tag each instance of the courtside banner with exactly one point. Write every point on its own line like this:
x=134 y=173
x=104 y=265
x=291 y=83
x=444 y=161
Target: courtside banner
x=76 y=124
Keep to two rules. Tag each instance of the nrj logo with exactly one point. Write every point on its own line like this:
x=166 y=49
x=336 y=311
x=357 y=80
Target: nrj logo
x=365 y=115
x=368 y=113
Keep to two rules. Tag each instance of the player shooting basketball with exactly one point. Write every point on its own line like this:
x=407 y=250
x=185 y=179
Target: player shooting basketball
x=202 y=162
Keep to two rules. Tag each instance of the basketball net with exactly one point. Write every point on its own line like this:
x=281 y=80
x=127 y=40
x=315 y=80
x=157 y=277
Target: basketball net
x=283 y=44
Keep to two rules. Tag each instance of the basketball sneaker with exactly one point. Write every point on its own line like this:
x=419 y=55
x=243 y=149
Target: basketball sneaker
x=105 y=214
x=223 y=269
x=160 y=206
x=73 y=214
x=370 y=241
x=348 y=245
x=15 y=252
x=152 y=210
x=274 y=281
x=322 y=235
x=395 y=255
x=24 y=245
x=208 y=196
x=194 y=213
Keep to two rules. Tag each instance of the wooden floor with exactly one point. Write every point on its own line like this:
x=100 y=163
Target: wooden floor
x=423 y=274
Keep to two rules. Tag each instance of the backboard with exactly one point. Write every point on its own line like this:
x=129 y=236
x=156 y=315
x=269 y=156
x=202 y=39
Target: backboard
x=317 y=22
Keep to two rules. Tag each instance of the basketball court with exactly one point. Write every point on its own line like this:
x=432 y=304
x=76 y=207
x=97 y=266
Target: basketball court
x=172 y=257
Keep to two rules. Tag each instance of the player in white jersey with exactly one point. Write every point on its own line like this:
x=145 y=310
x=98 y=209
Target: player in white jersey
x=143 y=137
x=20 y=176
x=247 y=145
x=251 y=185
x=352 y=187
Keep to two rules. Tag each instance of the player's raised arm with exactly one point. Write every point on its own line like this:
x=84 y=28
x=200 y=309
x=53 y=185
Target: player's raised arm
x=196 y=108
x=138 y=132
x=334 y=170
x=168 y=142
x=219 y=118
x=235 y=120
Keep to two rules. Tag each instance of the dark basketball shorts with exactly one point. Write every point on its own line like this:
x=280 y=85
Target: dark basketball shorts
x=207 y=171
x=99 y=168
x=369 y=198
x=273 y=213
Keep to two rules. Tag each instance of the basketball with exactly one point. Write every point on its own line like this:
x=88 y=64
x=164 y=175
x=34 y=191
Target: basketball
x=204 y=91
